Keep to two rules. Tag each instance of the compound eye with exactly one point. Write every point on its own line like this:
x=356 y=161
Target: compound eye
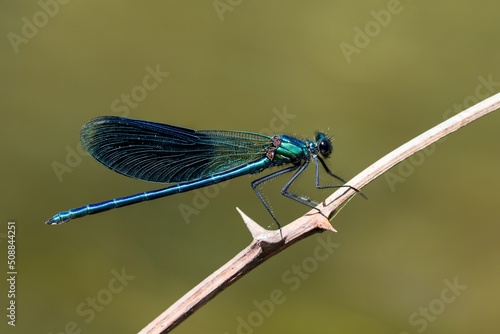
x=325 y=147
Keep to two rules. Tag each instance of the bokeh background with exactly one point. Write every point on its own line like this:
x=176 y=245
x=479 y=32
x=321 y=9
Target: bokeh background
x=373 y=73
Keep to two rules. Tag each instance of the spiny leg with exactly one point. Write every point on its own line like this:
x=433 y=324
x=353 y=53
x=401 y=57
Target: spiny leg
x=305 y=201
x=284 y=191
x=318 y=186
x=266 y=178
x=301 y=199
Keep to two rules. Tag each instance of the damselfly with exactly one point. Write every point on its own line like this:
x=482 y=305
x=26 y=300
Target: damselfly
x=192 y=159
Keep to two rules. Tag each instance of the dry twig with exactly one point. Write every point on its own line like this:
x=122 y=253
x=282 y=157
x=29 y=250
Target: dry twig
x=267 y=243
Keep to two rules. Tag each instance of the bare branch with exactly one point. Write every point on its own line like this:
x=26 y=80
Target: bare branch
x=406 y=150
x=267 y=243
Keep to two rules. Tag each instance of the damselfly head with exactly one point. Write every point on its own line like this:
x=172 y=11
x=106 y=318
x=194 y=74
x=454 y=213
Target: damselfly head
x=324 y=144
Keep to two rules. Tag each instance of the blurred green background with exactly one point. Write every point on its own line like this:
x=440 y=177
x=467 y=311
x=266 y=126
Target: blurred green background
x=373 y=73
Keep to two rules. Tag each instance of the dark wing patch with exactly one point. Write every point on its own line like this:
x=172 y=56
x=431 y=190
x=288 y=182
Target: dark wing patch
x=165 y=153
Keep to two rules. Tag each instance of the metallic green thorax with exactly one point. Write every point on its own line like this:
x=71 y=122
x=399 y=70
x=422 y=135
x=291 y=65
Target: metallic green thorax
x=286 y=150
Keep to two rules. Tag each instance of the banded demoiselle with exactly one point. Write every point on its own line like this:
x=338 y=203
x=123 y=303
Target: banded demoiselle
x=192 y=159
